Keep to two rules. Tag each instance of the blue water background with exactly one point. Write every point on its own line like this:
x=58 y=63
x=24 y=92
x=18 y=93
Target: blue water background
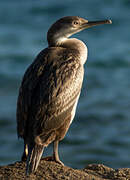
x=100 y=132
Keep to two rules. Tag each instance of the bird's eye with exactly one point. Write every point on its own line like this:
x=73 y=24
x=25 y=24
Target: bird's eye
x=75 y=23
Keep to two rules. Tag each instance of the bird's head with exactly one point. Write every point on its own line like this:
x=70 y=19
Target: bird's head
x=67 y=26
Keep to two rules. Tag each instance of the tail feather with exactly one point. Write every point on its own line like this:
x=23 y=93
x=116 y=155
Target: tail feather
x=34 y=156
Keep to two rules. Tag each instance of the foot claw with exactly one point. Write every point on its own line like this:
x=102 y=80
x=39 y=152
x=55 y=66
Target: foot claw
x=52 y=158
x=59 y=162
x=48 y=158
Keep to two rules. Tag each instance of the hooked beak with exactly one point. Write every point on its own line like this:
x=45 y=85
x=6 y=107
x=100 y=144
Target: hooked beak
x=95 y=23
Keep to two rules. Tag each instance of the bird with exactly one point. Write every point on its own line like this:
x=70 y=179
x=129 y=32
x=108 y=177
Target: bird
x=50 y=90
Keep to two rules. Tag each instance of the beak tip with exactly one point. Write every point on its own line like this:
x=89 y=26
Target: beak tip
x=109 y=21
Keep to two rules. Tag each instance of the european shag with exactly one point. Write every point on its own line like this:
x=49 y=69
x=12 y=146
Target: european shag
x=50 y=90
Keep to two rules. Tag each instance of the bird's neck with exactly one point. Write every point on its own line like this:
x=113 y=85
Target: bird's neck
x=73 y=43
x=70 y=43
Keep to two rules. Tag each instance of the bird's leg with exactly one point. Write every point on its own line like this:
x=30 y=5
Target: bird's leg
x=55 y=152
x=55 y=156
x=25 y=152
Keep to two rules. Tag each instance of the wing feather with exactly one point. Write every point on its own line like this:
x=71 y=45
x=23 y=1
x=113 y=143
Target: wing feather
x=48 y=91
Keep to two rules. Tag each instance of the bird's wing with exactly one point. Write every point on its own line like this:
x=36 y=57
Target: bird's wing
x=49 y=90
x=30 y=80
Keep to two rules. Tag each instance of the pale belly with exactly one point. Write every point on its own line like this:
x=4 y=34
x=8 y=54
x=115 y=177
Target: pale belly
x=74 y=109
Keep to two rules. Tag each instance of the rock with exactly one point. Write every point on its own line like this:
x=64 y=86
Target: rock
x=48 y=170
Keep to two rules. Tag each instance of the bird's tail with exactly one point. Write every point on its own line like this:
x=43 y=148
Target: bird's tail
x=34 y=156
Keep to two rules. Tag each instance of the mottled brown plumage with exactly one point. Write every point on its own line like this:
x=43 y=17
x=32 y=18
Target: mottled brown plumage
x=50 y=90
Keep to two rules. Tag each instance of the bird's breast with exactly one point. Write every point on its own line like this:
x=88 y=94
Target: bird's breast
x=83 y=50
x=78 y=45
